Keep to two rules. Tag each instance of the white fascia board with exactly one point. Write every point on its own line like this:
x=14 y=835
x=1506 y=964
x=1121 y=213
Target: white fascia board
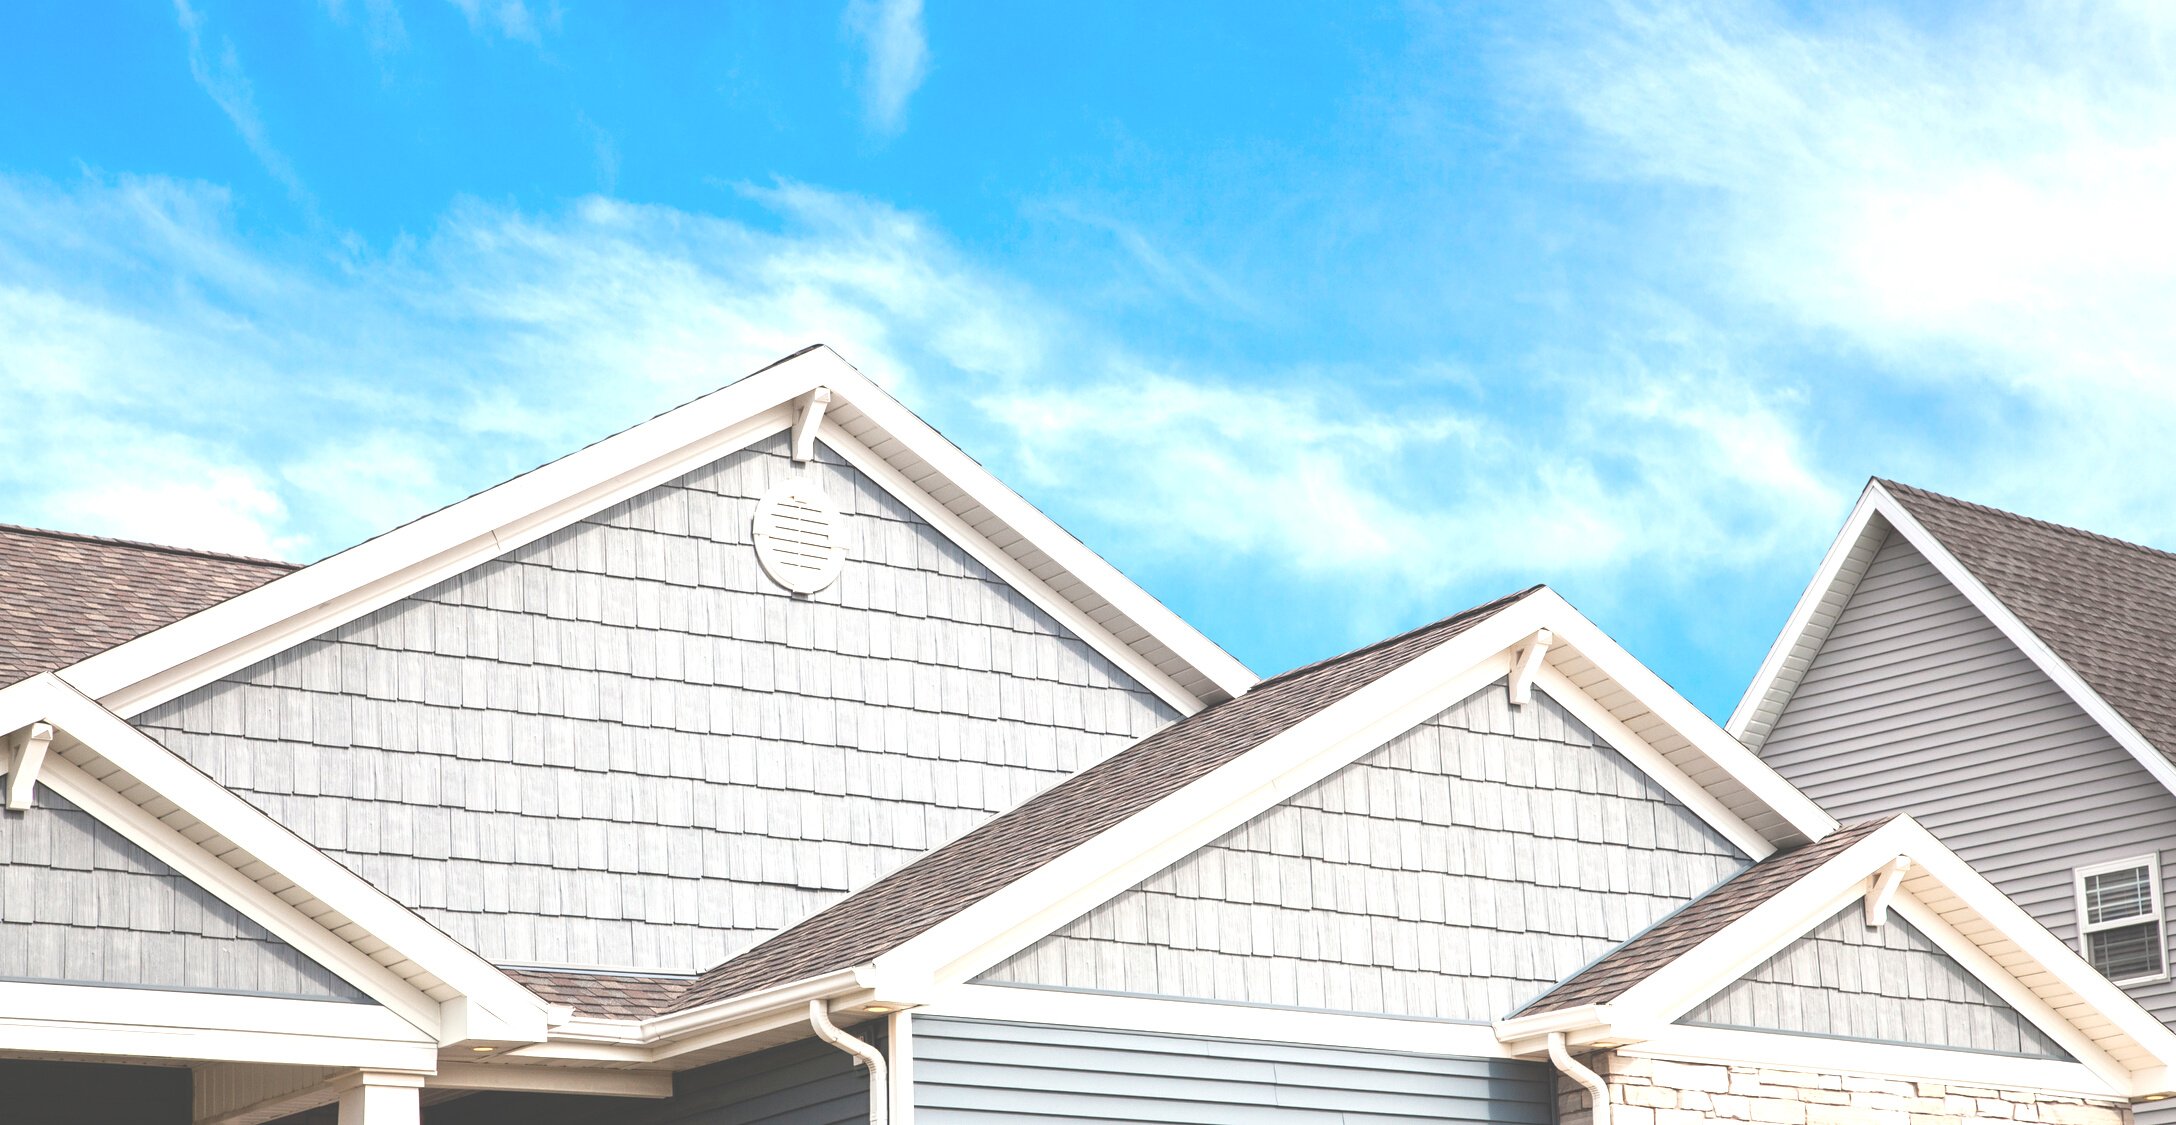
x=1783 y=1051
x=1091 y=569
x=154 y=1023
x=1012 y=1004
x=662 y=1038
x=491 y=1006
x=170 y=661
x=1728 y=754
x=1069 y=886
x=2023 y=637
x=523 y=1078
x=1777 y=663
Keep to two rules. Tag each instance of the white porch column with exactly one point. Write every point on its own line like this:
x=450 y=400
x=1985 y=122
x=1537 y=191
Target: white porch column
x=380 y=1097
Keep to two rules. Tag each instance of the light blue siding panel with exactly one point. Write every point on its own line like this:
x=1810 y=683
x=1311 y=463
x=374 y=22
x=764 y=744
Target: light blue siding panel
x=1917 y=703
x=622 y=745
x=80 y=904
x=1887 y=983
x=1455 y=873
x=970 y=1072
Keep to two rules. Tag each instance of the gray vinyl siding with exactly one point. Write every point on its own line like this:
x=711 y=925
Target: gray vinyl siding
x=81 y=905
x=1455 y=873
x=1887 y=983
x=807 y=1082
x=623 y=745
x=972 y=1072
x=1917 y=703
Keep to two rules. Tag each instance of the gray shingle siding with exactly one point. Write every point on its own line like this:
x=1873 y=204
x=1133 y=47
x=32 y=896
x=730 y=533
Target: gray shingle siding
x=970 y=1072
x=623 y=745
x=1887 y=983
x=1454 y=873
x=1917 y=703
x=80 y=904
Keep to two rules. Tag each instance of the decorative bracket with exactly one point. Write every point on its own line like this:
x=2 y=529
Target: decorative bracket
x=1525 y=661
x=26 y=752
x=808 y=416
x=1881 y=889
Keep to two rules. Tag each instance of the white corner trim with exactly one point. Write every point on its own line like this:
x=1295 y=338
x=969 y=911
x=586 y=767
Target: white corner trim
x=1525 y=661
x=25 y=754
x=1881 y=890
x=1806 y=1053
x=1211 y=1020
x=154 y=1023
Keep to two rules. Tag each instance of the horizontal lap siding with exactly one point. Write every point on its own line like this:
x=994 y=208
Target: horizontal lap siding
x=623 y=745
x=1889 y=983
x=971 y=1072
x=1455 y=873
x=80 y=904
x=1917 y=703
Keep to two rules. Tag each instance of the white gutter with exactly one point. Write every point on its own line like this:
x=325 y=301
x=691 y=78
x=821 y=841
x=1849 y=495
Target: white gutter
x=819 y=1017
x=1597 y=1090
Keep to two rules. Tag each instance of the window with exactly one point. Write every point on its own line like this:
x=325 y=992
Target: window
x=2119 y=920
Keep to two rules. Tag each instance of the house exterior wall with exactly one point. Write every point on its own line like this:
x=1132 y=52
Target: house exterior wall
x=807 y=1082
x=37 y=1092
x=82 y=905
x=624 y=745
x=1886 y=983
x=1656 y=1092
x=1455 y=873
x=971 y=1072
x=1917 y=703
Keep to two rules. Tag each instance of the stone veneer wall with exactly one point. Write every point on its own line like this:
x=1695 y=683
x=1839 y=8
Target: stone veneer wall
x=1654 y=1092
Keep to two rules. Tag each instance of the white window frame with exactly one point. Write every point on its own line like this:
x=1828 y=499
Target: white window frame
x=2159 y=917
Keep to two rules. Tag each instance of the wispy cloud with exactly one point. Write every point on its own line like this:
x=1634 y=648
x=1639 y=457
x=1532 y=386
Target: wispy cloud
x=509 y=18
x=220 y=75
x=895 y=57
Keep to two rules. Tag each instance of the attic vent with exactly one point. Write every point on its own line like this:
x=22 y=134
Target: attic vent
x=800 y=539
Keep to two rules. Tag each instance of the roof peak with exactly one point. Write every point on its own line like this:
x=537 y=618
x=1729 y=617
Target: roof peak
x=142 y=545
x=1896 y=486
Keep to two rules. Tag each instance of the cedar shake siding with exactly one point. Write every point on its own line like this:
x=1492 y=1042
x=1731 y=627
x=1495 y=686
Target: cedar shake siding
x=1455 y=873
x=624 y=745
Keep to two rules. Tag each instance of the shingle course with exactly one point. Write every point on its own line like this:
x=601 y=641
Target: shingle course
x=64 y=596
x=2106 y=607
x=603 y=995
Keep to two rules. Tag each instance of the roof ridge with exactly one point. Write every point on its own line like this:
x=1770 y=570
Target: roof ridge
x=142 y=545
x=1464 y=614
x=2046 y=525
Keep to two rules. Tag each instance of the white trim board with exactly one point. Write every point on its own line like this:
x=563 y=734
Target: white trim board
x=1876 y=512
x=153 y=1023
x=1812 y=1054
x=170 y=661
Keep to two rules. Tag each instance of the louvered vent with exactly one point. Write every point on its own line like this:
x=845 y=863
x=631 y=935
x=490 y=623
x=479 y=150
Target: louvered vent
x=800 y=539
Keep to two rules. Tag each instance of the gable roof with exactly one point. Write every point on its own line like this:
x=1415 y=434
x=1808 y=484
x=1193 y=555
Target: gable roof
x=65 y=596
x=1637 y=992
x=2096 y=615
x=858 y=420
x=911 y=900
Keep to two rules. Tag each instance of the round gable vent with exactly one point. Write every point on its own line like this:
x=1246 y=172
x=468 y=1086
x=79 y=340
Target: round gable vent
x=800 y=539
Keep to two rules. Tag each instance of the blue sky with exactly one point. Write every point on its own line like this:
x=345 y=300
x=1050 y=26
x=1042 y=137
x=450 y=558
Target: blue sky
x=1320 y=321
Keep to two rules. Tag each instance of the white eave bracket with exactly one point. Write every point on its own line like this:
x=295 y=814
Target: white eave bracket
x=808 y=415
x=25 y=754
x=1881 y=889
x=1525 y=662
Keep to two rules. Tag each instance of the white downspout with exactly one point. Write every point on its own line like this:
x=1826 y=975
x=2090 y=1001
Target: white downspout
x=819 y=1017
x=1597 y=1090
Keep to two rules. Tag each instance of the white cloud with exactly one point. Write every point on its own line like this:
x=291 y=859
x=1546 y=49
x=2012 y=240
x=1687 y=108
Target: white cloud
x=509 y=18
x=889 y=33
x=220 y=75
x=1978 y=207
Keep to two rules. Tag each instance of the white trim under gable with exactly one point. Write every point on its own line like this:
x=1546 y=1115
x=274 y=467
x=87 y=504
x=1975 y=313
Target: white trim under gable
x=1108 y=610
x=230 y=847
x=1791 y=655
x=963 y=946
x=153 y=1023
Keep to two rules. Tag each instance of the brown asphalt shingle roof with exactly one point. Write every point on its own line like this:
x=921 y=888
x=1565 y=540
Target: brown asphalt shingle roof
x=612 y=996
x=937 y=886
x=2106 y=607
x=64 y=596
x=1666 y=941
